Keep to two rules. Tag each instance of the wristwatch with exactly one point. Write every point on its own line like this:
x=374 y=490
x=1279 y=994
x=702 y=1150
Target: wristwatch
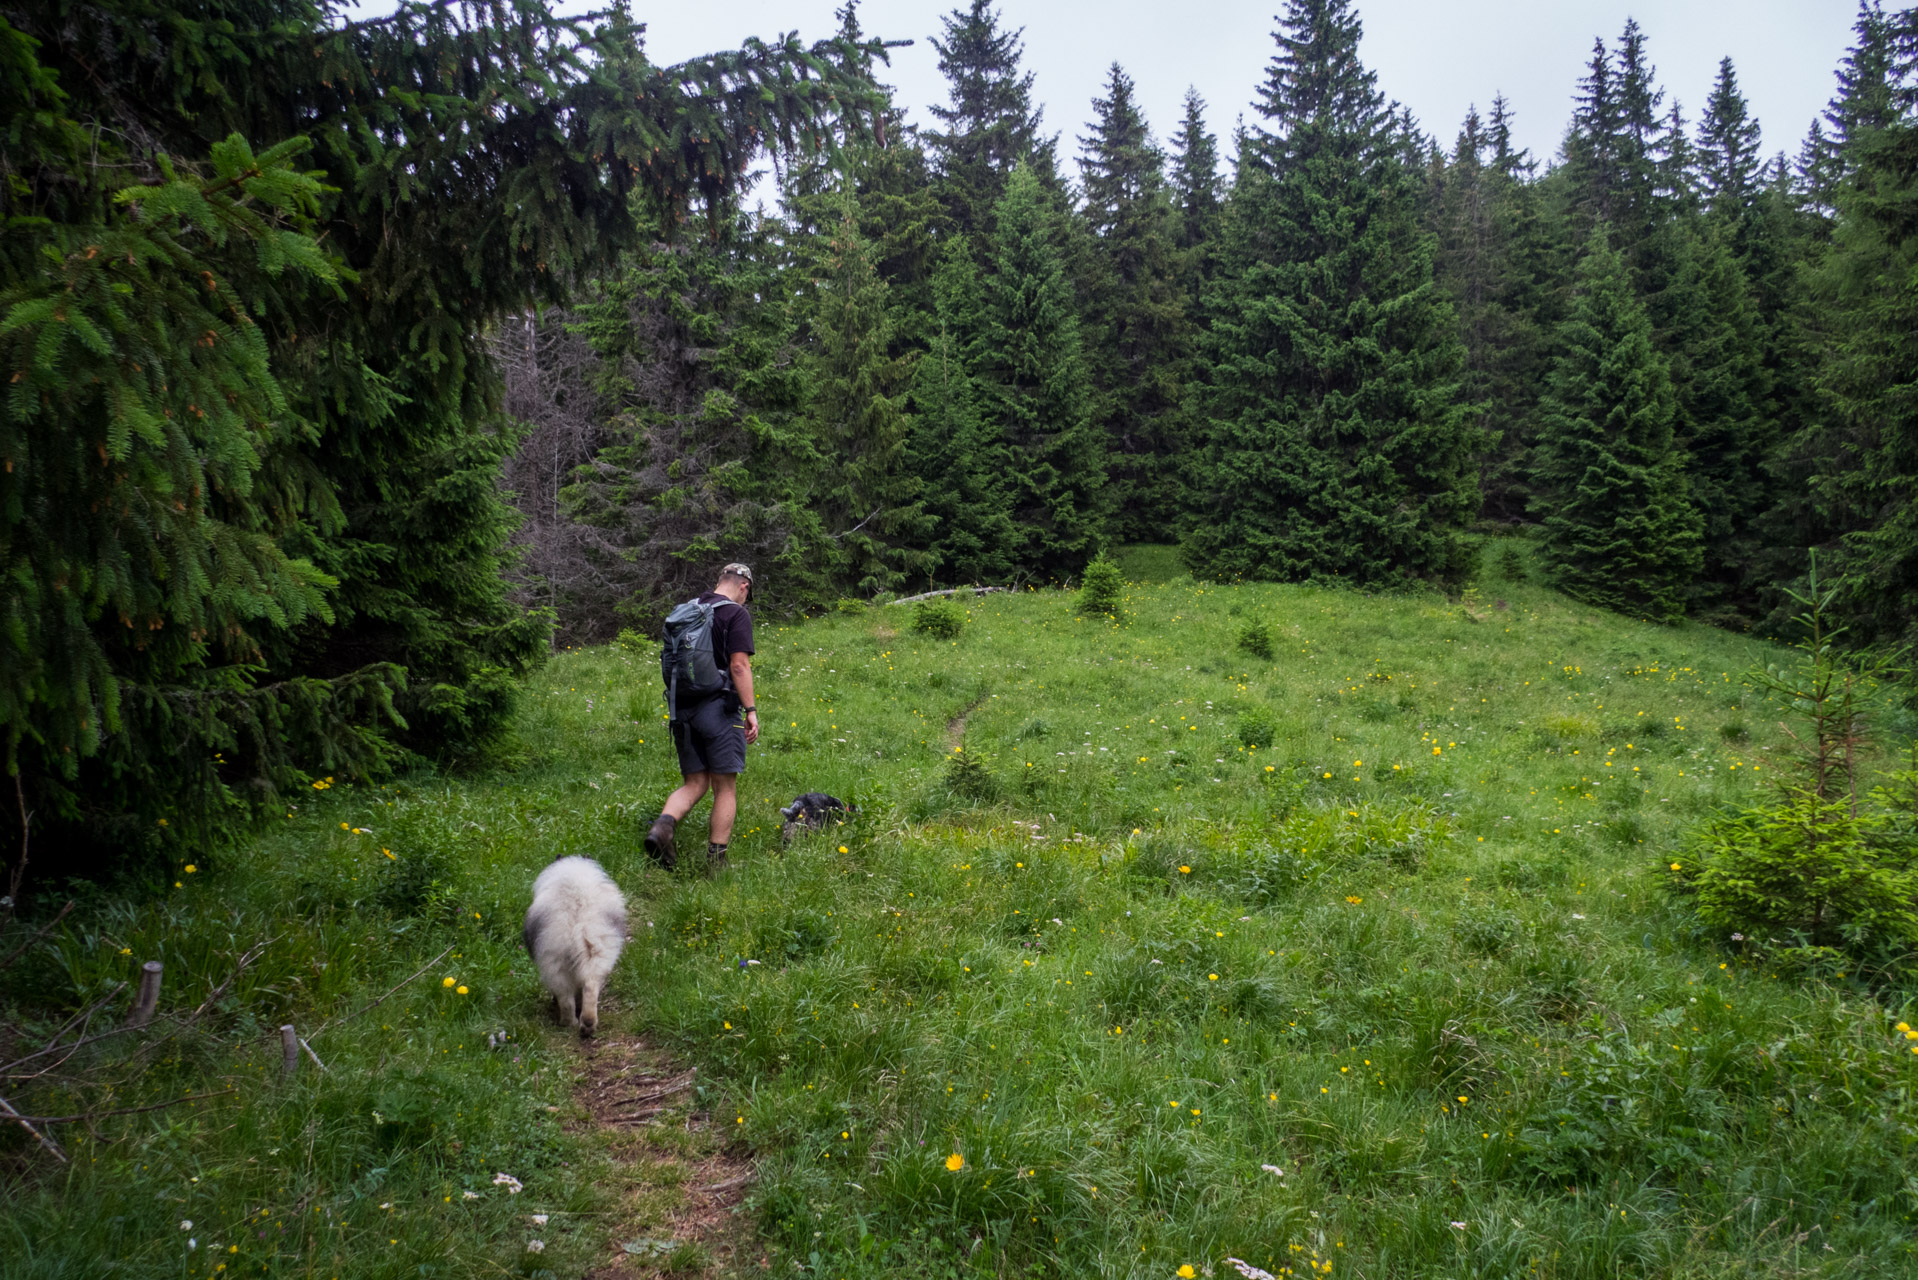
x=754 y=710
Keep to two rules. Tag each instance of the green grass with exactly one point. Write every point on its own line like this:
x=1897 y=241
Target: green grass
x=1380 y=912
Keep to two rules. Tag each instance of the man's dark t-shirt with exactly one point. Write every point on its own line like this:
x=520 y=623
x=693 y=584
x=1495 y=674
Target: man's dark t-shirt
x=732 y=633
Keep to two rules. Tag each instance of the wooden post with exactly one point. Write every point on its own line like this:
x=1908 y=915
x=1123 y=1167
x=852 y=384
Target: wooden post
x=289 y=1050
x=149 y=997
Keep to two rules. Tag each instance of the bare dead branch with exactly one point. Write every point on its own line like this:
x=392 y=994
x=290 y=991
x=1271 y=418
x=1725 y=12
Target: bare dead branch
x=19 y=874
x=41 y=933
x=38 y=1137
x=382 y=1000
x=86 y=1116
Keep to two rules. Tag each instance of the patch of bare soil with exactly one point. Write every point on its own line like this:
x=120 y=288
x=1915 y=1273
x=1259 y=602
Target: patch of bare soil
x=680 y=1178
x=956 y=727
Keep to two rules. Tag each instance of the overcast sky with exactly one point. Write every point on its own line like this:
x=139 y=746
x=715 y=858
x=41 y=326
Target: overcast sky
x=1436 y=57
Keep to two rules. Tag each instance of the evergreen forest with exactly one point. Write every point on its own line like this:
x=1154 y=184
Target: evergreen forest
x=353 y=364
x=1368 y=668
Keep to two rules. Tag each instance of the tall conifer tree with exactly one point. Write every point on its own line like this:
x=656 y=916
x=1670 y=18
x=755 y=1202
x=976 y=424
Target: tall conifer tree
x=1195 y=184
x=866 y=500
x=1620 y=530
x=960 y=458
x=1863 y=103
x=1723 y=428
x=1035 y=392
x=1337 y=446
x=1857 y=460
x=1135 y=315
x=1729 y=165
x=989 y=125
x=1490 y=252
x=1593 y=144
x=472 y=160
x=711 y=456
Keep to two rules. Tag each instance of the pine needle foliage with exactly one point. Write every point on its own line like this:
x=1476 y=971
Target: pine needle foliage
x=1136 y=329
x=867 y=502
x=962 y=460
x=989 y=124
x=1036 y=396
x=1620 y=530
x=1337 y=445
x=279 y=372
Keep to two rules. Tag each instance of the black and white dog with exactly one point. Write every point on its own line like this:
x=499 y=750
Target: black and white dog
x=811 y=812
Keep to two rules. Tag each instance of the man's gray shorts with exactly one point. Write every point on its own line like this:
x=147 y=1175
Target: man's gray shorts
x=711 y=737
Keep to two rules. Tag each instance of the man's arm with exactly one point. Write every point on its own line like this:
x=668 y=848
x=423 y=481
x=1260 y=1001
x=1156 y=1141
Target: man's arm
x=742 y=666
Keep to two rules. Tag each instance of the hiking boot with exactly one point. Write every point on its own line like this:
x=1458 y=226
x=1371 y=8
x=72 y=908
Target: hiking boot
x=715 y=859
x=659 y=842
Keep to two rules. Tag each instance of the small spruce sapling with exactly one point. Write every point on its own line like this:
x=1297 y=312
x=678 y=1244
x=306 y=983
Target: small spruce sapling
x=1816 y=866
x=940 y=619
x=1257 y=727
x=968 y=778
x=1258 y=639
x=1102 y=591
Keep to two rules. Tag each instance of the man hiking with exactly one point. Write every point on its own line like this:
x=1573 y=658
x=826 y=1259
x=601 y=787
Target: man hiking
x=707 y=665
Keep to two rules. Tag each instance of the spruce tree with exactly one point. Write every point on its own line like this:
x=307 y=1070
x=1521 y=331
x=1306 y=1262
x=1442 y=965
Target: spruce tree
x=711 y=456
x=1620 y=530
x=989 y=124
x=1619 y=168
x=867 y=502
x=469 y=162
x=1857 y=459
x=962 y=464
x=1135 y=328
x=1337 y=445
x=1490 y=256
x=1722 y=426
x=1593 y=143
x=1729 y=165
x=1035 y=395
x=1195 y=188
x=1864 y=103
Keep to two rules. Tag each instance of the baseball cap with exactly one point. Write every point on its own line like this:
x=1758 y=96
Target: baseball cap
x=738 y=570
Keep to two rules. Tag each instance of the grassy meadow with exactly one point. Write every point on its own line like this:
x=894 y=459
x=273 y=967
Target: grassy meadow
x=1145 y=952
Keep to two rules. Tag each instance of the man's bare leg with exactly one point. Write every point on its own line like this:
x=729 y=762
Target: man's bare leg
x=691 y=791
x=725 y=806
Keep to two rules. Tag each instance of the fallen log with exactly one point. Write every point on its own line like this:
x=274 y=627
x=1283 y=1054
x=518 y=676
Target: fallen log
x=950 y=591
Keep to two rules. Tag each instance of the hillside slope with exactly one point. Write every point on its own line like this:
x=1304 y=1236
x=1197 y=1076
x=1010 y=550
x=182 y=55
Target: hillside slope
x=1351 y=959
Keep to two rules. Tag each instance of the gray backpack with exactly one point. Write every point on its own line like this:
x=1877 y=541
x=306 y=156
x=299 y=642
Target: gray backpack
x=686 y=659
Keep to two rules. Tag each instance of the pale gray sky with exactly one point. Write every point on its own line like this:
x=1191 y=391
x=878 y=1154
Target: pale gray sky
x=1435 y=57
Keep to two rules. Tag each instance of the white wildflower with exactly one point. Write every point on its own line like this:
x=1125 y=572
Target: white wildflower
x=1273 y=1169
x=513 y=1185
x=539 y=1219
x=186 y=1224
x=469 y=1195
x=536 y=1246
x=1249 y=1271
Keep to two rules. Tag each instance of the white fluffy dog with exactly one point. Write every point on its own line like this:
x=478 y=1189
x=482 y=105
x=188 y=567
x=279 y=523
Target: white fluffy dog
x=574 y=931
